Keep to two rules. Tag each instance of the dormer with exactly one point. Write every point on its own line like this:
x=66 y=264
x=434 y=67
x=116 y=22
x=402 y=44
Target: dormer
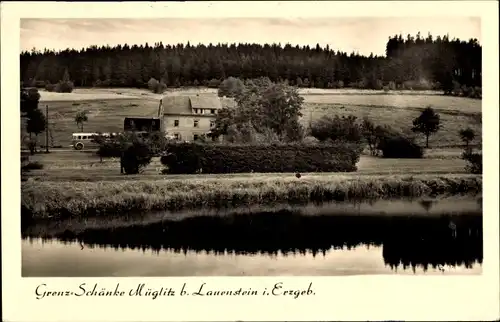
x=205 y=105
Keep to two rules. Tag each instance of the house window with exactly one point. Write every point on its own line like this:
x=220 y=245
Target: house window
x=196 y=123
x=195 y=137
x=176 y=123
x=212 y=111
x=177 y=136
x=212 y=124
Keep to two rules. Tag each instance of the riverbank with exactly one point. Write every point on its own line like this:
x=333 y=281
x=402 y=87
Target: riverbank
x=386 y=208
x=60 y=200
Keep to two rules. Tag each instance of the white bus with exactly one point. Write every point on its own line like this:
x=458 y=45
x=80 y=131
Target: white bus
x=82 y=141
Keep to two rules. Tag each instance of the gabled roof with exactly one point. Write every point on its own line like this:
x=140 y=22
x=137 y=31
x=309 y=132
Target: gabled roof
x=205 y=101
x=176 y=104
x=184 y=104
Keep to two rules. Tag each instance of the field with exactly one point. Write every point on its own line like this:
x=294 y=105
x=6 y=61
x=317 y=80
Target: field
x=108 y=107
x=86 y=166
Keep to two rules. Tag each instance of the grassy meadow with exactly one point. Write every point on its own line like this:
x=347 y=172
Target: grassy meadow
x=86 y=166
x=398 y=111
x=108 y=107
x=65 y=199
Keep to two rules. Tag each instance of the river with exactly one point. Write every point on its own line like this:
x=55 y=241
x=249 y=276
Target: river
x=386 y=237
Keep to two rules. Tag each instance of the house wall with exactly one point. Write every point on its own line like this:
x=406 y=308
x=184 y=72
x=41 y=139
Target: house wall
x=186 y=129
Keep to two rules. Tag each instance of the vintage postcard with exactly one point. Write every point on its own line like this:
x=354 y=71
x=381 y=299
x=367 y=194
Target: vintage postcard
x=250 y=161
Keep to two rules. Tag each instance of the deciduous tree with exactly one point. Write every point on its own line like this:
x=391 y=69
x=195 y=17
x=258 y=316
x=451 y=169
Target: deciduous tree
x=467 y=135
x=427 y=123
x=80 y=118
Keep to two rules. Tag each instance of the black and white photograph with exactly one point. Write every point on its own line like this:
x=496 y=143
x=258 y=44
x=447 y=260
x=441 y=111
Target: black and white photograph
x=280 y=146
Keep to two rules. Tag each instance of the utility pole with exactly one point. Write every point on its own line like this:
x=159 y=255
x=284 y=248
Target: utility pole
x=46 y=129
x=310 y=119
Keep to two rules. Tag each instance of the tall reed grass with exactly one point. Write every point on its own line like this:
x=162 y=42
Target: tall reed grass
x=42 y=199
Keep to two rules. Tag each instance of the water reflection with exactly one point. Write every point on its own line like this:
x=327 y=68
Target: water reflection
x=403 y=242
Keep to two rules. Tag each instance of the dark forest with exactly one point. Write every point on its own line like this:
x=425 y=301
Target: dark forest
x=409 y=63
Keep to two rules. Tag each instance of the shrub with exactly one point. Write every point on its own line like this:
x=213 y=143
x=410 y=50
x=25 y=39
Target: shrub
x=470 y=92
x=376 y=84
x=30 y=98
x=390 y=142
x=135 y=157
x=134 y=152
x=398 y=146
x=157 y=142
x=156 y=86
x=109 y=149
x=478 y=92
x=160 y=88
x=474 y=161
x=50 y=87
x=190 y=157
x=31 y=145
x=467 y=135
x=369 y=131
x=230 y=87
x=456 y=88
x=344 y=129
x=183 y=158
x=152 y=83
x=214 y=83
x=247 y=133
x=466 y=91
x=419 y=85
x=64 y=87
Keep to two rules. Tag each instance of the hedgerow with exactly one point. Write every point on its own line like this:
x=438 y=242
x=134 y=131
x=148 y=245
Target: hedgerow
x=184 y=158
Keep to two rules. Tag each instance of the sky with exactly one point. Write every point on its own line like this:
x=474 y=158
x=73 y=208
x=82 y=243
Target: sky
x=348 y=34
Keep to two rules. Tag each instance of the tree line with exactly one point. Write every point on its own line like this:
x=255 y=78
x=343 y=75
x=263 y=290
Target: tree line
x=409 y=63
